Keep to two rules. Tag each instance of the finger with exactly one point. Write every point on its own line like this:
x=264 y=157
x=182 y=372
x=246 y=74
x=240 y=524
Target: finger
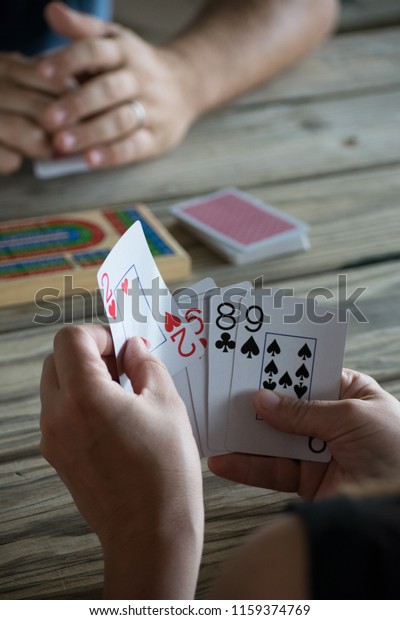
x=145 y=371
x=92 y=55
x=78 y=353
x=9 y=160
x=18 y=69
x=23 y=136
x=357 y=385
x=136 y=147
x=75 y=24
x=108 y=127
x=16 y=99
x=258 y=471
x=317 y=418
x=99 y=94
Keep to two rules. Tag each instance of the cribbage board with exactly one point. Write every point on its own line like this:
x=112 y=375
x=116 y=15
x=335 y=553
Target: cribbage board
x=37 y=254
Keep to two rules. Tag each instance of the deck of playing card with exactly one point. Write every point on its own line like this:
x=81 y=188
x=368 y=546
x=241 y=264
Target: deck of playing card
x=222 y=345
x=241 y=228
x=59 y=166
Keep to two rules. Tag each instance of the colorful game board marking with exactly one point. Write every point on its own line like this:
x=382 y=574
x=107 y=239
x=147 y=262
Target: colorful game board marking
x=47 y=237
x=39 y=252
x=124 y=218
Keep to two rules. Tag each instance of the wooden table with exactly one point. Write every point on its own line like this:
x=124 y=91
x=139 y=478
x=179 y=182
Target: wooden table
x=321 y=143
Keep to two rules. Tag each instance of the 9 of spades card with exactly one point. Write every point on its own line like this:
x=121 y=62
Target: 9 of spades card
x=283 y=346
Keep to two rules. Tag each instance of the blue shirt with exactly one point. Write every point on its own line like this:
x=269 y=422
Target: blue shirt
x=23 y=28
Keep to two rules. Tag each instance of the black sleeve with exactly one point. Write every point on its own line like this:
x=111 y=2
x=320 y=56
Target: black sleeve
x=354 y=547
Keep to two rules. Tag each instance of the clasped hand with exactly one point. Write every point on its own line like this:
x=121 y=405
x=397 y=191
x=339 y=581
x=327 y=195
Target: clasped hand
x=79 y=99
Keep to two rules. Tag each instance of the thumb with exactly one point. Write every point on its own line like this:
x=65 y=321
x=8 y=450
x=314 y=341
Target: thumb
x=73 y=24
x=315 y=418
x=145 y=371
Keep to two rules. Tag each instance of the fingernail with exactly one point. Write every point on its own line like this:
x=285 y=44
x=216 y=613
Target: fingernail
x=59 y=116
x=68 y=140
x=47 y=70
x=138 y=343
x=268 y=399
x=96 y=157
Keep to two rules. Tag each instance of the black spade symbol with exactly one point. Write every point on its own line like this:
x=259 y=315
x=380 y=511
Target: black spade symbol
x=285 y=380
x=302 y=373
x=250 y=348
x=304 y=352
x=271 y=368
x=274 y=348
x=300 y=390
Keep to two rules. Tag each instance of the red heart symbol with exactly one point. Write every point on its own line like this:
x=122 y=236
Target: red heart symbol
x=124 y=285
x=112 y=310
x=147 y=343
x=171 y=321
x=203 y=342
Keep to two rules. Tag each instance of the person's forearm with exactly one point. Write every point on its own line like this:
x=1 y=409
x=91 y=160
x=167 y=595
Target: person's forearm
x=161 y=565
x=235 y=45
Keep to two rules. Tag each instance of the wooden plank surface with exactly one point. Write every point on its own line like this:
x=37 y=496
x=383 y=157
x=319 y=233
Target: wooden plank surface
x=359 y=14
x=366 y=60
x=246 y=146
x=358 y=212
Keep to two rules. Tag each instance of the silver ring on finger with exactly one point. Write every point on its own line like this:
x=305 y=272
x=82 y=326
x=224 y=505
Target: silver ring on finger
x=140 y=113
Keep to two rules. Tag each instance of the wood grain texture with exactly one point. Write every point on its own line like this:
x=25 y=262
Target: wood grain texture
x=357 y=212
x=247 y=147
x=51 y=553
x=345 y=64
x=359 y=14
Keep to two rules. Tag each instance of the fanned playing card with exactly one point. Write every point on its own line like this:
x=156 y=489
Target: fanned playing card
x=183 y=388
x=222 y=345
x=281 y=346
x=192 y=382
x=138 y=303
x=225 y=310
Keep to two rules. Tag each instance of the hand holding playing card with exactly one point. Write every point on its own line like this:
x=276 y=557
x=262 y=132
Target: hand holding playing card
x=129 y=461
x=362 y=431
